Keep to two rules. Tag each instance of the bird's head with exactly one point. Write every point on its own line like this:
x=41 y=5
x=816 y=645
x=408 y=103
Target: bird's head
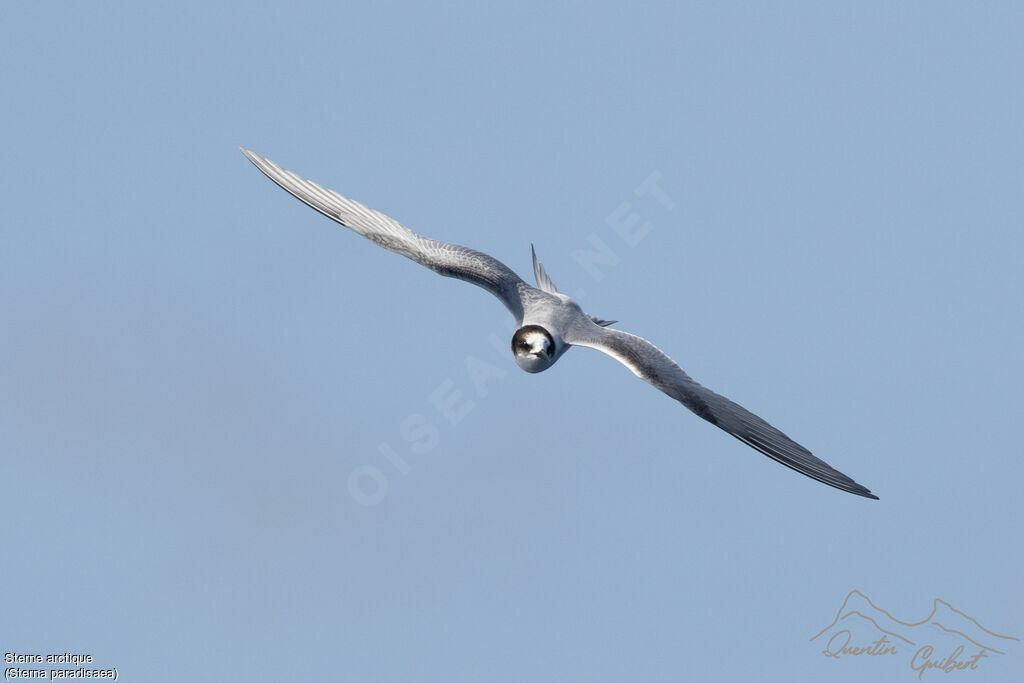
x=534 y=348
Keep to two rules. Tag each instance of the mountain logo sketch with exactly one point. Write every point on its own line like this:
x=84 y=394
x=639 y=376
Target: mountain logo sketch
x=861 y=627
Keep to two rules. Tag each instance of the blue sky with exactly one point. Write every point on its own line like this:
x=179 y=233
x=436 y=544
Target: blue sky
x=193 y=365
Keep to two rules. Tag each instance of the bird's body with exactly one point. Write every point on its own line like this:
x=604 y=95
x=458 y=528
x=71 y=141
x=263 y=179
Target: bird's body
x=549 y=323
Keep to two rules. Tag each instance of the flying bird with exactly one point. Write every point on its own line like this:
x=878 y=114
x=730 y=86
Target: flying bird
x=549 y=323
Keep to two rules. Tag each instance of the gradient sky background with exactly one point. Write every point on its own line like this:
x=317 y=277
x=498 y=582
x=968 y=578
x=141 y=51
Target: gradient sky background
x=193 y=364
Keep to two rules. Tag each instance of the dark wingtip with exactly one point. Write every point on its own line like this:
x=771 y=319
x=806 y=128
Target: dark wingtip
x=859 y=490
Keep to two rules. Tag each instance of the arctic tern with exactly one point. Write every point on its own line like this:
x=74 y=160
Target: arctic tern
x=549 y=323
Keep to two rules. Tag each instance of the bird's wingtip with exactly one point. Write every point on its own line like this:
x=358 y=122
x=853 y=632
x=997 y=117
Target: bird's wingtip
x=863 y=491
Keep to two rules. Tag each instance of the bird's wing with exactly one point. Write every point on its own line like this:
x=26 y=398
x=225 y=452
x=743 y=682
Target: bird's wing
x=450 y=260
x=649 y=363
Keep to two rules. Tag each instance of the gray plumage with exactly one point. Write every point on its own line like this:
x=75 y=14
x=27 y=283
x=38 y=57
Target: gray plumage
x=549 y=323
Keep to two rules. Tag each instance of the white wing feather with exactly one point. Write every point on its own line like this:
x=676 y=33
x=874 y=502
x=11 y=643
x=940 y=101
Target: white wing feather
x=450 y=260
